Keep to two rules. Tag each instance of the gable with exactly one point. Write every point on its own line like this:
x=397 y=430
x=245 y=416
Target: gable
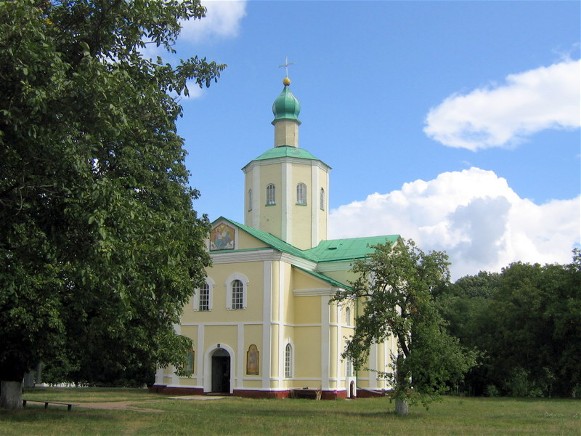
x=225 y=236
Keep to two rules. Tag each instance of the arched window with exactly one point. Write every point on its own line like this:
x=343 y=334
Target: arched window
x=288 y=361
x=237 y=294
x=302 y=194
x=349 y=368
x=322 y=199
x=190 y=358
x=203 y=297
x=270 y=195
x=249 y=200
x=236 y=291
x=348 y=316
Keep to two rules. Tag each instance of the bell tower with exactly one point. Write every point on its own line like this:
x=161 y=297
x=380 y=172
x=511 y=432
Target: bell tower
x=287 y=188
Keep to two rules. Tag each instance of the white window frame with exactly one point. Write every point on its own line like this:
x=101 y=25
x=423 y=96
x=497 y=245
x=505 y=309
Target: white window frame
x=229 y=291
x=302 y=194
x=210 y=283
x=270 y=194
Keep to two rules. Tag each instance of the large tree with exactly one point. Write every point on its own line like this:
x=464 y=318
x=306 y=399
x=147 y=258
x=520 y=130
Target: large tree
x=396 y=283
x=99 y=245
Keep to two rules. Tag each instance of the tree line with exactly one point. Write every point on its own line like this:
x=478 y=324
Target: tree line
x=517 y=332
x=525 y=324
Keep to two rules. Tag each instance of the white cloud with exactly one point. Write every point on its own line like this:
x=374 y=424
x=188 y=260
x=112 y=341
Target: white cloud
x=223 y=18
x=501 y=116
x=473 y=215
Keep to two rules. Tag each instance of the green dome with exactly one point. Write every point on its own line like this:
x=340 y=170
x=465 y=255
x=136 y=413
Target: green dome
x=286 y=106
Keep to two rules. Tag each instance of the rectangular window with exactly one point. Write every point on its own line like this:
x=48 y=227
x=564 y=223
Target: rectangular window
x=204 y=304
x=302 y=194
x=270 y=195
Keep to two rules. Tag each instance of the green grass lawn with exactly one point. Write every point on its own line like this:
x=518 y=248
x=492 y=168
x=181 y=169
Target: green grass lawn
x=163 y=415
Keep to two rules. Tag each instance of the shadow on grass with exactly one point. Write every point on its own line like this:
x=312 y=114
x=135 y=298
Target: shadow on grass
x=34 y=414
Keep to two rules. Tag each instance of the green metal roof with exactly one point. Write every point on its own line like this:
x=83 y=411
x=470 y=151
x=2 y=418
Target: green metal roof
x=334 y=250
x=286 y=151
x=286 y=106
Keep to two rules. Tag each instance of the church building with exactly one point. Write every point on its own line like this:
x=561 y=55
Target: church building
x=264 y=325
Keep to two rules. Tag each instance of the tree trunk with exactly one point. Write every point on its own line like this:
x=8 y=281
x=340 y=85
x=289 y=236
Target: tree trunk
x=402 y=407
x=10 y=395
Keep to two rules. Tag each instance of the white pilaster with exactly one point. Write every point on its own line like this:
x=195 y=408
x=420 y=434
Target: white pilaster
x=256 y=196
x=281 y=322
x=373 y=366
x=340 y=374
x=241 y=357
x=266 y=325
x=325 y=331
x=200 y=356
x=314 y=204
x=286 y=203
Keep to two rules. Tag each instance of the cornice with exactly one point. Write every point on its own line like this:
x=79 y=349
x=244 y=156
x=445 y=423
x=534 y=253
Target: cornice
x=315 y=292
x=293 y=160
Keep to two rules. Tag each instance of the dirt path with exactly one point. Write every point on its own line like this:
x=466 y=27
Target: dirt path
x=118 y=405
x=136 y=405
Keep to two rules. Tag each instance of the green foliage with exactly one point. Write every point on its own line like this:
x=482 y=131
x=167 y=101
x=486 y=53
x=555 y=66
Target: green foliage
x=526 y=321
x=397 y=284
x=99 y=245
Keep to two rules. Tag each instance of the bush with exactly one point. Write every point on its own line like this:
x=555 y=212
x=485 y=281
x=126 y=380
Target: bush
x=491 y=391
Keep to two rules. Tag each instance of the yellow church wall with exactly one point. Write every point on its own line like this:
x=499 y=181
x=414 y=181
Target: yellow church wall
x=307 y=346
x=223 y=334
x=272 y=223
x=307 y=310
x=333 y=352
x=253 y=335
x=274 y=291
x=286 y=133
x=343 y=276
x=302 y=280
x=301 y=214
x=288 y=301
x=246 y=241
x=251 y=383
x=274 y=358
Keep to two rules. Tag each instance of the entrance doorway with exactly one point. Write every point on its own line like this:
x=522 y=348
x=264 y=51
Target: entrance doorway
x=221 y=371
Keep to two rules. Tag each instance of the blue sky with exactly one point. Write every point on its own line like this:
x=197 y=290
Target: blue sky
x=453 y=123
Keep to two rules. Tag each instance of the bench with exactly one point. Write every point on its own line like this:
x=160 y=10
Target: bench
x=312 y=394
x=46 y=403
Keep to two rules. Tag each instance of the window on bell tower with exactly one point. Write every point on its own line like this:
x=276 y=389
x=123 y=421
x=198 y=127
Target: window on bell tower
x=249 y=200
x=302 y=194
x=322 y=199
x=270 y=195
